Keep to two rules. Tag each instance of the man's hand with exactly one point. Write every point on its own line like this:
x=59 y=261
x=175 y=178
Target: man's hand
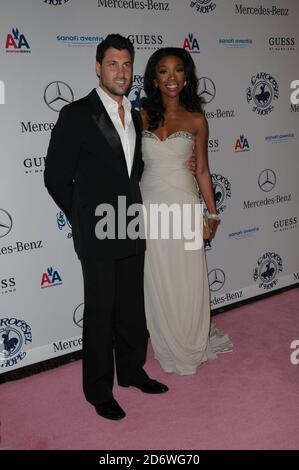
x=191 y=164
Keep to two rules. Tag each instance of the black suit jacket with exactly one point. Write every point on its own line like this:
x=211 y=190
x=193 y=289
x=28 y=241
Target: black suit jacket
x=85 y=167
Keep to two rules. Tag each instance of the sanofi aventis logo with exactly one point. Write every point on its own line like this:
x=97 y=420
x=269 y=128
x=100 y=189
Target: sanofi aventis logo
x=77 y=40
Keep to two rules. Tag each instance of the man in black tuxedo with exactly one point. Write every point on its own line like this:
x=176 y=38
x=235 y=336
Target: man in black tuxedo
x=94 y=157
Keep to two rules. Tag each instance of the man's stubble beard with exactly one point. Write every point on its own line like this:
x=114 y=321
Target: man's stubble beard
x=115 y=91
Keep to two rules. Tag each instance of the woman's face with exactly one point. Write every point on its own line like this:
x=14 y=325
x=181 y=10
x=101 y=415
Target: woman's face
x=170 y=75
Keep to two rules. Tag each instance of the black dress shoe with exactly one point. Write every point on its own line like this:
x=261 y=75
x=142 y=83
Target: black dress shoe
x=149 y=386
x=110 y=409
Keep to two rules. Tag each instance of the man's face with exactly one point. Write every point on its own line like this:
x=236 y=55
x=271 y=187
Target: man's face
x=115 y=72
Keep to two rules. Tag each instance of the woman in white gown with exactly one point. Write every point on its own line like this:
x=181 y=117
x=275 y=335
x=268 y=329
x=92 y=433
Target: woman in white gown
x=177 y=299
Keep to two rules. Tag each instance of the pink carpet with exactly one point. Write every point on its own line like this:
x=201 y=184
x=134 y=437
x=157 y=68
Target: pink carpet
x=246 y=399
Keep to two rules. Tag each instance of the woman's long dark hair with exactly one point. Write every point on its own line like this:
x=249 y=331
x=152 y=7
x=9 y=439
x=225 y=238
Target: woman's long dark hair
x=189 y=98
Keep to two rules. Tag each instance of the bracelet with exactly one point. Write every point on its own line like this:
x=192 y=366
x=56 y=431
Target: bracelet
x=214 y=217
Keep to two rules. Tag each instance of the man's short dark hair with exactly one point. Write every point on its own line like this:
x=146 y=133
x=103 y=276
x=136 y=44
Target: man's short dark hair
x=117 y=42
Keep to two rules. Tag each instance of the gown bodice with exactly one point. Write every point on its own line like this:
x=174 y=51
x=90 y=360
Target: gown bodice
x=165 y=161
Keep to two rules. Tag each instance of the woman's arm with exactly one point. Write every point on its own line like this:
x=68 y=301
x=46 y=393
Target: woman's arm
x=203 y=174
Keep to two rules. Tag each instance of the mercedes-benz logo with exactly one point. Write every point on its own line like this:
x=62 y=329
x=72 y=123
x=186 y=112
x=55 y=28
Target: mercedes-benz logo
x=206 y=89
x=57 y=94
x=216 y=279
x=5 y=223
x=78 y=315
x=267 y=180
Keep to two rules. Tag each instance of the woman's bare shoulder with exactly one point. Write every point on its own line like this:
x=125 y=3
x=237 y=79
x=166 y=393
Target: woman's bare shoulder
x=198 y=118
x=198 y=122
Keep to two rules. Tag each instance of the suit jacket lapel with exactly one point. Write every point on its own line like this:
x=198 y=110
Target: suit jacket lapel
x=105 y=125
x=137 y=124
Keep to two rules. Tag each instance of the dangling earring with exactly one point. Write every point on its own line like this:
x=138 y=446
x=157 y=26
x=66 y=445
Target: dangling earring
x=185 y=82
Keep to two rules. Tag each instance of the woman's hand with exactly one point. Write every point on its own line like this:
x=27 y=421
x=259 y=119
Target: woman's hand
x=191 y=164
x=213 y=224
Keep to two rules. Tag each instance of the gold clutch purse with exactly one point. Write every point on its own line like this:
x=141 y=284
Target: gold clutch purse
x=205 y=227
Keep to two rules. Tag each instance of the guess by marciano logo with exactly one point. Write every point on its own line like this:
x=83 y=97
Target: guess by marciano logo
x=213 y=145
x=34 y=165
x=146 y=41
x=7 y=285
x=281 y=225
x=203 y=6
x=281 y=43
x=149 y=5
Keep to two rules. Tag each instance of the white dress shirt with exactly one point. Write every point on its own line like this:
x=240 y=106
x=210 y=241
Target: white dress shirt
x=127 y=132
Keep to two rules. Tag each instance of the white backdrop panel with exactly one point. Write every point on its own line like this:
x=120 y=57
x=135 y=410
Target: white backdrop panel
x=246 y=55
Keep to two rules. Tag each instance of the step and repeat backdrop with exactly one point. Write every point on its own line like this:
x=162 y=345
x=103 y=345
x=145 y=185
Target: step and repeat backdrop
x=246 y=56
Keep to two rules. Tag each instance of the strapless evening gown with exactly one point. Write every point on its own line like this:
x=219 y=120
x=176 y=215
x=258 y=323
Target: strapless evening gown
x=177 y=298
